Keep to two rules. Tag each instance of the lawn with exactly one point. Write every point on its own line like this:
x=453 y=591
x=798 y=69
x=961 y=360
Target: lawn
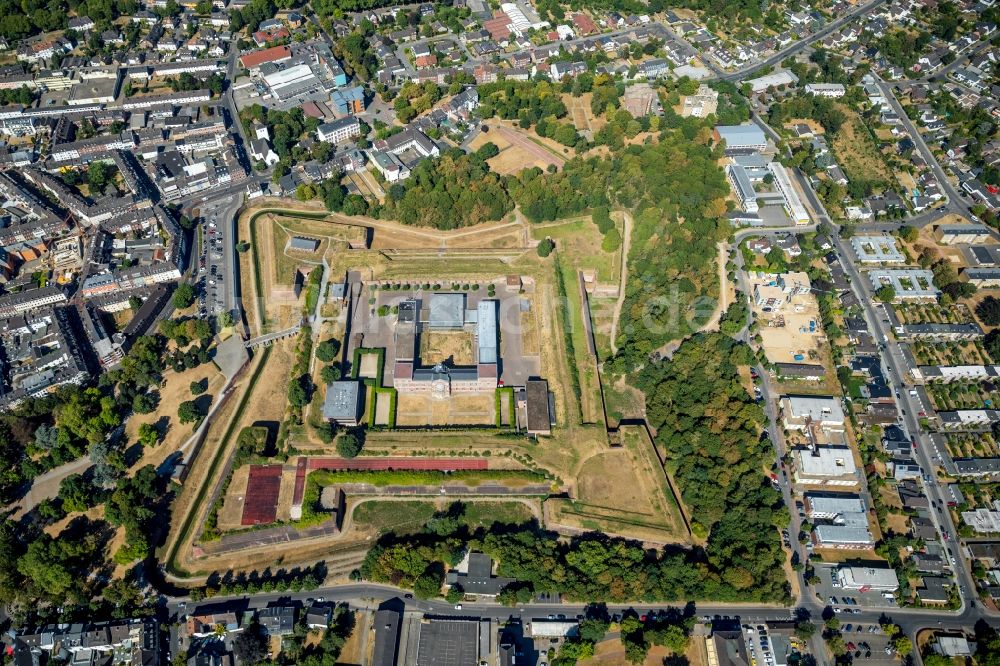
x=579 y=244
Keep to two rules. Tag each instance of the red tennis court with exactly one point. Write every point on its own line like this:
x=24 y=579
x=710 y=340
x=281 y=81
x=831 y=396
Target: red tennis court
x=260 y=506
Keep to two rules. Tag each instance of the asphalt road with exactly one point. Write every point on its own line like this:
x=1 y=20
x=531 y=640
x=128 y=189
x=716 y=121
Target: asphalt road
x=893 y=362
x=793 y=49
x=955 y=201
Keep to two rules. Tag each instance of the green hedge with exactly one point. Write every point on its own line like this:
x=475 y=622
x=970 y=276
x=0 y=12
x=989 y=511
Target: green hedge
x=382 y=390
x=383 y=478
x=500 y=393
x=356 y=362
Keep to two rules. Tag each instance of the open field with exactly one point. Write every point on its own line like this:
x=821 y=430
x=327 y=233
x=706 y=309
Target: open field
x=414 y=409
x=513 y=157
x=542 y=151
x=579 y=242
x=611 y=653
x=173 y=434
x=857 y=152
x=623 y=491
x=582 y=116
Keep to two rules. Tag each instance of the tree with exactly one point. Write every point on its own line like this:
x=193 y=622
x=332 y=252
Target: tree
x=145 y=403
x=184 y=296
x=349 y=445
x=908 y=233
x=992 y=344
x=226 y=319
x=886 y=293
x=199 y=387
x=329 y=374
x=98 y=176
x=934 y=659
x=545 y=247
x=988 y=310
x=428 y=584
x=249 y=645
x=612 y=241
x=188 y=412
x=593 y=629
x=805 y=630
x=327 y=350
x=148 y=435
x=76 y=493
x=487 y=150
x=298 y=396
x=455 y=594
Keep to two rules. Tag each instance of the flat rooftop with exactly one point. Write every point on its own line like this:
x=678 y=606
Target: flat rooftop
x=448 y=643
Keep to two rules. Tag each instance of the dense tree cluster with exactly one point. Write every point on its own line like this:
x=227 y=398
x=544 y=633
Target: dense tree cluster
x=723 y=9
x=709 y=426
x=988 y=310
x=821 y=109
x=186 y=81
x=525 y=101
x=449 y=192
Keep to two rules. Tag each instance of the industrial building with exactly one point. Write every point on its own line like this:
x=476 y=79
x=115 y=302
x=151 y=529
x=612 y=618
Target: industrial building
x=741 y=139
x=868 y=578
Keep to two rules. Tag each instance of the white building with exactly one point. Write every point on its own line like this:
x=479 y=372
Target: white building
x=877 y=250
x=857 y=578
x=339 y=131
x=799 y=411
x=825 y=466
x=910 y=284
x=826 y=89
x=782 y=78
x=793 y=205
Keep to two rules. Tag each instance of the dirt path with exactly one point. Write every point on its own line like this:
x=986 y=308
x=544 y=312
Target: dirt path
x=623 y=280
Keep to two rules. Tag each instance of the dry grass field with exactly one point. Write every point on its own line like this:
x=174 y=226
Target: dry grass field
x=173 y=434
x=623 y=491
x=425 y=409
x=857 y=152
x=455 y=347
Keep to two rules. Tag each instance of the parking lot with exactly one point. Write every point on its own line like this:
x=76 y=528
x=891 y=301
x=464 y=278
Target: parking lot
x=212 y=265
x=847 y=602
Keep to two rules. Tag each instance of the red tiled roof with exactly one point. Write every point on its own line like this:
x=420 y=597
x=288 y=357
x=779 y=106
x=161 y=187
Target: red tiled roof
x=499 y=27
x=258 y=58
x=585 y=24
x=265 y=36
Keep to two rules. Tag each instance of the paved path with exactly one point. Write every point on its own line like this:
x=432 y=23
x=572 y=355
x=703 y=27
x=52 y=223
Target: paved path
x=46 y=486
